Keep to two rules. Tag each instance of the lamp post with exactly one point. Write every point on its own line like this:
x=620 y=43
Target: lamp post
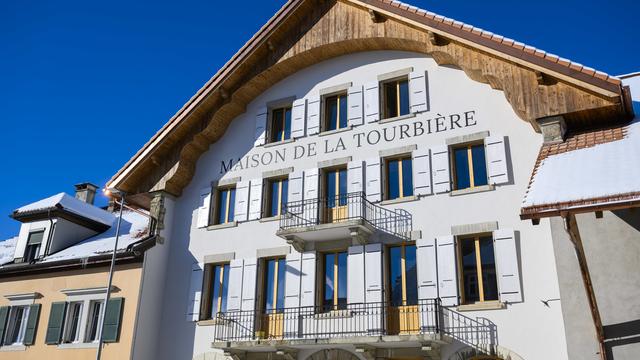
x=111 y=268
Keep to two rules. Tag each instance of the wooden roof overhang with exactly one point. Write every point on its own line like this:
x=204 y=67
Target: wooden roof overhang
x=305 y=32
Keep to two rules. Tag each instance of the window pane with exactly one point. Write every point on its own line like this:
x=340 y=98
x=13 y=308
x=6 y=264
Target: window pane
x=331 y=111
x=342 y=280
x=285 y=193
x=469 y=270
x=395 y=275
x=277 y=125
x=328 y=281
x=489 y=282
x=94 y=320
x=275 y=189
x=342 y=186
x=390 y=100
x=225 y=287
x=282 y=267
x=217 y=290
x=222 y=206
x=15 y=323
x=232 y=203
x=393 y=179
x=35 y=237
x=331 y=177
x=270 y=285
x=287 y=124
x=404 y=97
x=343 y=111
x=462 y=168
x=479 y=165
x=407 y=177
x=411 y=274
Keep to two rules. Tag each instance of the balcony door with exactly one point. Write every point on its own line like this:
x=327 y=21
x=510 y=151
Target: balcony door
x=335 y=185
x=403 y=315
x=273 y=307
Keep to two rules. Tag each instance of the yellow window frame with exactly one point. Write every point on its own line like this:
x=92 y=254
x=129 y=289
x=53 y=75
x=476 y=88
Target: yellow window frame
x=401 y=194
x=336 y=277
x=403 y=269
x=339 y=97
x=280 y=181
x=276 y=264
x=396 y=82
x=476 y=239
x=469 y=164
x=282 y=110
x=227 y=205
x=220 y=284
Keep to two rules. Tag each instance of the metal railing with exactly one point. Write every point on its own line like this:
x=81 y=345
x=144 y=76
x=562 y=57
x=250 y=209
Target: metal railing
x=319 y=322
x=345 y=207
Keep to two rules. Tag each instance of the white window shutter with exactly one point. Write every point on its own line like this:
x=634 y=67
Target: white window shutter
x=311 y=182
x=427 y=269
x=496 y=159
x=422 y=172
x=255 y=202
x=308 y=281
x=373 y=272
x=195 y=292
x=355 y=176
x=440 y=168
x=506 y=256
x=372 y=178
x=292 y=281
x=234 y=293
x=447 y=278
x=298 y=118
x=204 y=207
x=242 y=201
x=355 y=278
x=313 y=116
x=261 y=127
x=355 y=102
x=295 y=195
x=249 y=278
x=371 y=102
x=418 y=92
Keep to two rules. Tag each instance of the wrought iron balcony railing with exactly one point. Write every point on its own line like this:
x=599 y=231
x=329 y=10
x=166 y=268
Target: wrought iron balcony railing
x=343 y=208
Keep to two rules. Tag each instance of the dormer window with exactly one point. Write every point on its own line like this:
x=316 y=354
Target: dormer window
x=34 y=242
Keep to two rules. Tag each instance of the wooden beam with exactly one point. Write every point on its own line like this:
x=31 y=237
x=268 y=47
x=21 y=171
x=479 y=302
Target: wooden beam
x=375 y=16
x=599 y=214
x=437 y=40
x=544 y=79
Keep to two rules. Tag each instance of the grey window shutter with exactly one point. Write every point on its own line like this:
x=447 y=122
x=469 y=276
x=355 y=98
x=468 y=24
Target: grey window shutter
x=373 y=272
x=371 y=102
x=372 y=177
x=311 y=182
x=112 y=319
x=242 y=201
x=296 y=180
x=4 y=315
x=308 y=281
x=506 y=257
x=355 y=104
x=204 y=207
x=32 y=324
x=313 y=116
x=195 y=292
x=261 y=127
x=422 y=172
x=447 y=278
x=56 y=322
x=355 y=277
x=418 y=92
x=427 y=269
x=255 y=202
x=298 y=118
x=440 y=168
x=292 y=292
x=496 y=159
x=234 y=293
x=249 y=279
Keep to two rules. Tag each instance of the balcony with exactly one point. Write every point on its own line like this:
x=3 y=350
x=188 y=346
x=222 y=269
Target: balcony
x=347 y=216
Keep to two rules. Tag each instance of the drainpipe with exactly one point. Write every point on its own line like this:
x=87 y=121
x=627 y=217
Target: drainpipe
x=571 y=227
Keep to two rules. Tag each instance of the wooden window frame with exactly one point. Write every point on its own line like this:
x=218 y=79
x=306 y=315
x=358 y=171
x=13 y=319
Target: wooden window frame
x=276 y=284
x=272 y=119
x=336 y=278
x=325 y=114
x=217 y=209
x=383 y=96
x=454 y=164
x=386 y=179
x=269 y=203
x=206 y=306
x=476 y=241
x=403 y=269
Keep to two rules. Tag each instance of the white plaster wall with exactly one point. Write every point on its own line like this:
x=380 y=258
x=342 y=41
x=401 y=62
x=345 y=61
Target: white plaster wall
x=27 y=228
x=529 y=328
x=66 y=234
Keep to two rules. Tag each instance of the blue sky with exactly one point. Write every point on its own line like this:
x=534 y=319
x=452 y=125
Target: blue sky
x=85 y=84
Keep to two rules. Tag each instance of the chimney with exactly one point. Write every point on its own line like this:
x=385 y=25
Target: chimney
x=86 y=192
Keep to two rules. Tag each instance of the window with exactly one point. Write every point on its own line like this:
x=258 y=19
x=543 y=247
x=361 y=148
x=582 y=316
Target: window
x=277 y=199
x=17 y=325
x=403 y=275
x=399 y=178
x=280 y=125
x=470 y=167
x=225 y=205
x=335 y=112
x=335 y=281
x=478 y=269
x=395 y=95
x=216 y=289
x=72 y=323
x=32 y=250
x=94 y=325
x=335 y=187
x=274 y=285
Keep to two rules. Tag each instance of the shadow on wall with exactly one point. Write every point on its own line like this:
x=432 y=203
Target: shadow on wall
x=630 y=216
x=622 y=335
x=480 y=334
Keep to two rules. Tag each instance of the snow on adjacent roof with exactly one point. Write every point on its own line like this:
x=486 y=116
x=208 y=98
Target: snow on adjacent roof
x=7 y=250
x=71 y=204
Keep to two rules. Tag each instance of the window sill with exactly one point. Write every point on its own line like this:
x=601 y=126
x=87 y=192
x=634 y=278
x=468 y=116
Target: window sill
x=336 y=131
x=397 y=118
x=277 y=143
x=399 y=200
x=90 y=345
x=477 y=189
x=13 y=348
x=222 y=226
x=270 y=219
x=487 y=305
x=334 y=314
x=212 y=322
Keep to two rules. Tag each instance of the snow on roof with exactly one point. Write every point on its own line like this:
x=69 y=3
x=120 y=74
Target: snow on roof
x=71 y=204
x=605 y=170
x=7 y=250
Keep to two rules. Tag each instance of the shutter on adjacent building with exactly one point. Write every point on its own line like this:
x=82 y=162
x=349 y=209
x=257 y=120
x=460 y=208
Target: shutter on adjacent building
x=373 y=272
x=440 y=169
x=355 y=276
x=298 y=118
x=447 y=278
x=371 y=102
x=195 y=292
x=374 y=186
x=32 y=324
x=313 y=116
x=234 y=293
x=56 y=319
x=354 y=101
x=255 y=199
x=418 y=92
x=308 y=281
x=496 y=160
x=112 y=316
x=427 y=269
x=249 y=278
x=204 y=207
x=242 y=201
x=294 y=196
x=422 y=172
x=507 y=265
x=4 y=314
x=261 y=127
